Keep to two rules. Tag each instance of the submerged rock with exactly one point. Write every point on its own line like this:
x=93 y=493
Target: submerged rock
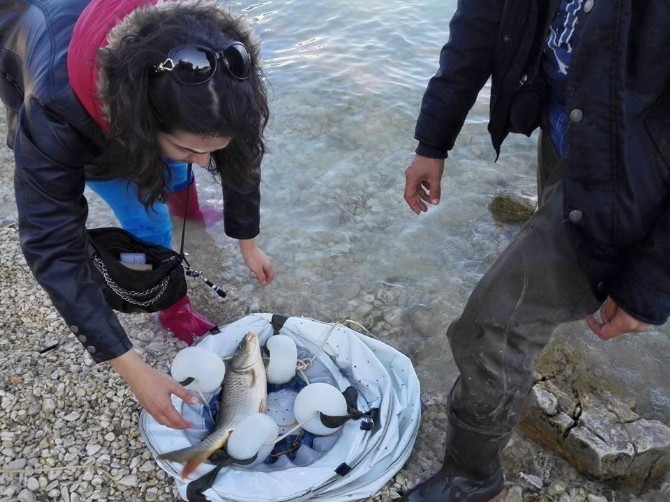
x=512 y=206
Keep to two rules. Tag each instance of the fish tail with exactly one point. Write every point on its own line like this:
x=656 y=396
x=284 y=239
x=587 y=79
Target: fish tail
x=191 y=457
x=193 y=463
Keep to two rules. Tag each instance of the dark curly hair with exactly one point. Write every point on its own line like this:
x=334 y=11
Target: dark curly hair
x=140 y=104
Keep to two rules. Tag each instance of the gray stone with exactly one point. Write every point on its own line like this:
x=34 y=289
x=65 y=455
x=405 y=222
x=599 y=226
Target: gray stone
x=532 y=481
x=48 y=405
x=514 y=494
x=17 y=464
x=129 y=481
x=546 y=401
x=556 y=488
x=599 y=443
x=26 y=496
x=32 y=484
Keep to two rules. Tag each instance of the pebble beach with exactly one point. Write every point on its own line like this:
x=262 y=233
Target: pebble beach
x=69 y=427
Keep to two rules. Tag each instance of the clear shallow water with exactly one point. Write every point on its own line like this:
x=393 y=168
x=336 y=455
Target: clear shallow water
x=345 y=80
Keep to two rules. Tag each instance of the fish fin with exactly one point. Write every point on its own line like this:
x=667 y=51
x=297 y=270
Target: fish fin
x=193 y=456
x=192 y=464
x=180 y=456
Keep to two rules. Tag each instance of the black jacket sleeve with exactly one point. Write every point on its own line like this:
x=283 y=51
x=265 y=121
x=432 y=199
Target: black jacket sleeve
x=466 y=63
x=49 y=186
x=241 y=208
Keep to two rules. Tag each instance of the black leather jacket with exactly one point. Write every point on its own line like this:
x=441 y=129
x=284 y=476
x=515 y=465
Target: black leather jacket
x=56 y=144
x=617 y=179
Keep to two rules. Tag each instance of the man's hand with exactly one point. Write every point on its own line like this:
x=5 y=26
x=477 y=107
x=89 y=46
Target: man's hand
x=422 y=183
x=614 y=321
x=153 y=389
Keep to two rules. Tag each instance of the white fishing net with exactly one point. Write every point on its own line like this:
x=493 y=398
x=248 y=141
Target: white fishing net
x=351 y=464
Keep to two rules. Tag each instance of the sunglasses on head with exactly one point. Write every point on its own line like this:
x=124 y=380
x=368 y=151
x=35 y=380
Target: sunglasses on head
x=195 y=64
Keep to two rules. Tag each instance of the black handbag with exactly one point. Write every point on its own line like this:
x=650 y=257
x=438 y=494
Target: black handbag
x=130 y=290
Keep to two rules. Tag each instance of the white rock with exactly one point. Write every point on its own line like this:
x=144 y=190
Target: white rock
x=32 y=484
x=26 y=496
x=72 y=416
x=129 y=481
x=48 y=405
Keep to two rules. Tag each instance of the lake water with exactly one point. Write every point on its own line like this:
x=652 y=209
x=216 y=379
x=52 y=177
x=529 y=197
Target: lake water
x=346 y=78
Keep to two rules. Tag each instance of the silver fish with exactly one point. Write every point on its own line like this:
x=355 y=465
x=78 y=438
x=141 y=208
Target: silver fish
x=244 y=392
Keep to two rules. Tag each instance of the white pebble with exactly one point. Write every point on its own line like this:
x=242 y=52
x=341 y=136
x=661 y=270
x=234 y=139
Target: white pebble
x=26 y=496
x=48 y=405
x=32 y=484
x=129 y=481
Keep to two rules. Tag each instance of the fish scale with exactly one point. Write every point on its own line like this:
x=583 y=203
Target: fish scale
x=244 y=393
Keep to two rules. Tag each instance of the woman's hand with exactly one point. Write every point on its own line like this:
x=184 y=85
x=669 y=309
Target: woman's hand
x=257 y=261
x=614 y=321
x=422 y=183
x=153 y=389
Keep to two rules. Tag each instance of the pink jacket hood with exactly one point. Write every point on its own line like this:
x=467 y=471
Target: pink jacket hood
x=90 y=34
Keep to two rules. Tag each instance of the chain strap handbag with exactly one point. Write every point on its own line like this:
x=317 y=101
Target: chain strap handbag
x=129 y=290
x=154 y=284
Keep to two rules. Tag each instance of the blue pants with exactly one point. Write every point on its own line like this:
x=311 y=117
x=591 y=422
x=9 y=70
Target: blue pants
x=151 y=224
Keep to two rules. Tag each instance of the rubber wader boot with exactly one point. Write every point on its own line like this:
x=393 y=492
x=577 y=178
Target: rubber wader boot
x=471 y=470
x=176 y=202
x=183 y=322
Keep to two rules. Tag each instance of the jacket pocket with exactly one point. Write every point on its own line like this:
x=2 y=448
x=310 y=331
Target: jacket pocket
x=526 y=105
x=658 y=126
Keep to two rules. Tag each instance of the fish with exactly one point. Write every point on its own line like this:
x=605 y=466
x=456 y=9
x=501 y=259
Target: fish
x=244 y=392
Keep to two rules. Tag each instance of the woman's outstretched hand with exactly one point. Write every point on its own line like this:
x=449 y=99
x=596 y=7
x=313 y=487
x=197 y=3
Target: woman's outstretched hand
x=257 y=261
x=153 y=389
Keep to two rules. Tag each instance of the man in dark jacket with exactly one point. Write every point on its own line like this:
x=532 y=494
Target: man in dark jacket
x=597 y=76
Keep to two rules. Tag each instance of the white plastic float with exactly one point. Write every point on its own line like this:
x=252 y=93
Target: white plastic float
x=349 y=459
x=198 y=369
